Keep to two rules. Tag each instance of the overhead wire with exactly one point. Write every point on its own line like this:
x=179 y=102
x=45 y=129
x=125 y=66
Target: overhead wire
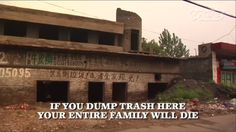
x=186 y=39
x=221 y=12
x=73 y=10
x=98 y=17
x=227 y=34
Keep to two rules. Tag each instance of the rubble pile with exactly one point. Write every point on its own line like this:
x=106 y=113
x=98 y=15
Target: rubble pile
x=212 y=107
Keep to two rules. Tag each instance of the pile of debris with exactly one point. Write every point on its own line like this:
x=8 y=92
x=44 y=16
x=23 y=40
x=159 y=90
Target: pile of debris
x=212 y=107
x=21 y=106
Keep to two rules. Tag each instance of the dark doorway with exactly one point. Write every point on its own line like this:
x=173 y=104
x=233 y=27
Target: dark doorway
x=155 y=88
x=95 y=91
x=52 y=91
x=119 y=91
x=134 y=40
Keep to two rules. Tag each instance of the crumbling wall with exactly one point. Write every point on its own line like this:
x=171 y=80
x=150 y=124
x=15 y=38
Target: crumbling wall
x=119 y=62
x=199 y=68
x=20 y=69
x=131 y=21
x=22 y=88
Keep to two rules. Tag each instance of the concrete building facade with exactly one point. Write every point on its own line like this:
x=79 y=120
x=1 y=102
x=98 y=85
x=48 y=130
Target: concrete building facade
x=223 y=57
x=52 y=57
x=47 y=57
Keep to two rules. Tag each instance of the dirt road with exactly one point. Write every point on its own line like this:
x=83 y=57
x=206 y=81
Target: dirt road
x=26 y=120
x=224 y=123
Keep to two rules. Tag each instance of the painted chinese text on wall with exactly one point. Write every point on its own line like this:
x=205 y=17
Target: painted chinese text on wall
x=92 y=75
x=61 y=59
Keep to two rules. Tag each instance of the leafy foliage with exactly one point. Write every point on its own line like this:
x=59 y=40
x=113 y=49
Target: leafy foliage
x=151 y=46
x=167 y=46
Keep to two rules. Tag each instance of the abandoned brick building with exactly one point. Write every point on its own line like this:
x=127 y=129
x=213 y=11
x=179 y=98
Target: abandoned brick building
x=47 y=57
x=223 y=61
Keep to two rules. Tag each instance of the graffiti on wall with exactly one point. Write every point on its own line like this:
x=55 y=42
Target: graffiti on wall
x=51 y=59
x=90 y=75
x=54 y=59
x=15 y=72
x=57 y=59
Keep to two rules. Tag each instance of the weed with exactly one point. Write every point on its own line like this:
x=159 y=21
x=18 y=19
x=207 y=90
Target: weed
x=180 y=93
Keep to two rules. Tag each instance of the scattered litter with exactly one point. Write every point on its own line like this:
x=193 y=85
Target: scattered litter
x=212 y=107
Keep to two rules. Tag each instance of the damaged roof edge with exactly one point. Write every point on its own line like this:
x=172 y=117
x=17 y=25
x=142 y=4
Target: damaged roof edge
x=71 y=46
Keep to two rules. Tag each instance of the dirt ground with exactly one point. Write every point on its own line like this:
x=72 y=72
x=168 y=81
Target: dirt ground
x=26 y=119
x=220 y=123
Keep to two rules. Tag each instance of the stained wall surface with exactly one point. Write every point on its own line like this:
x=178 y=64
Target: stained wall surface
x=21 y=68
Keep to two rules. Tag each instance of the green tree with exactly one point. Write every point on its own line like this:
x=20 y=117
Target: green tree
x=171 y=45
x=151 y=46
x=167 y=46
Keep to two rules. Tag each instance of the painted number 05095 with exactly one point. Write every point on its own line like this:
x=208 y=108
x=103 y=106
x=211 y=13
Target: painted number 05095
x=14 y=72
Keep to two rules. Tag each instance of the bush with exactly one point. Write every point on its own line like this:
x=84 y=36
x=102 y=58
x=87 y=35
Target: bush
x=179 y=94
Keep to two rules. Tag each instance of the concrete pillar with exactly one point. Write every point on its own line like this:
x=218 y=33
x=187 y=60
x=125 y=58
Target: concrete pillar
x=126 y=40
x=116 y=41
x=93 y=37
x=32 y=31
x=215 y=65
x=1 y=27
x=140 y=48
x=64 y=34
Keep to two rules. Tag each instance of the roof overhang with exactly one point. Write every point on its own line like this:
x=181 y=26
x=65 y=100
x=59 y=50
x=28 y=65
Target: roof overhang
x=224 y=49
x=65 y=20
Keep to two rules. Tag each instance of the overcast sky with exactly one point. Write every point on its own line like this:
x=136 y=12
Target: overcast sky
x=195 y=25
